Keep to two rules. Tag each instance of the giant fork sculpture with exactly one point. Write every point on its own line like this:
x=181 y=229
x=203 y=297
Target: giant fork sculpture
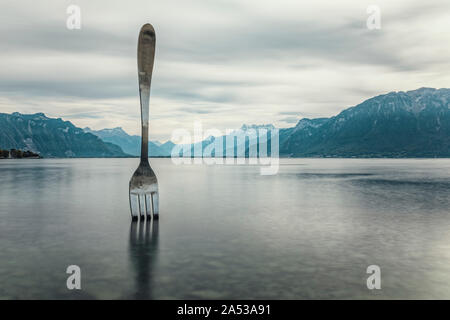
x=144 y=199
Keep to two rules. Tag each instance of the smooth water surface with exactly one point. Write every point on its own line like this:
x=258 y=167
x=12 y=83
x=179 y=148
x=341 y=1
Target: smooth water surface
x=227 y=232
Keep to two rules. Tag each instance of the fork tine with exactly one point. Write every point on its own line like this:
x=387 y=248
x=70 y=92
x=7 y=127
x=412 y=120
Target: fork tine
x=148 y=204
x=155 y=205
x=142 y=206
x=134 y=205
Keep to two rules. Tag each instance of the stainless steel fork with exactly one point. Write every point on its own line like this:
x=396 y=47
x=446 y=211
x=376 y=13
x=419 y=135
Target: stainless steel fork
x=144 y=199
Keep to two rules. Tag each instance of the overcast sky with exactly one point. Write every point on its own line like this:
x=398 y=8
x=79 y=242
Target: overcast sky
x=224 y=63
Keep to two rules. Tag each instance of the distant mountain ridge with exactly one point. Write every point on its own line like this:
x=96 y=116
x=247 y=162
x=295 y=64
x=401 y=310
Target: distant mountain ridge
x=131 y=144
x=52 y=137
x=397 y=124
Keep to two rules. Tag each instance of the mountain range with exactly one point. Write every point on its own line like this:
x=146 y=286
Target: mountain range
x=131 y=144
x=398 y=124
x=52 y=137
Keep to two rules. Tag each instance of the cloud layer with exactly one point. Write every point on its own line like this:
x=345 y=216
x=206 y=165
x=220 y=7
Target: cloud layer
x=224 y=63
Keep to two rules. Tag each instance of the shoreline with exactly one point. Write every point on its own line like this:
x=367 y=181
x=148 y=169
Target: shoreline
x=348 y=158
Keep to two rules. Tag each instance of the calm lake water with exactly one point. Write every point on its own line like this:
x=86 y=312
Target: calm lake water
x=227 y=232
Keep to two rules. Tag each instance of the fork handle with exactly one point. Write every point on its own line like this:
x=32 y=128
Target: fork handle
x=146 y=57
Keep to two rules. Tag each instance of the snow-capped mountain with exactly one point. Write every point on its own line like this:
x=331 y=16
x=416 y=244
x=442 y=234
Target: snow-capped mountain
x=131 y=144
x=398 y=124
x=51 y=137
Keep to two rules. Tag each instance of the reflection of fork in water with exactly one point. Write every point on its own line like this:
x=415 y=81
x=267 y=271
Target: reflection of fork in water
x=143 y=252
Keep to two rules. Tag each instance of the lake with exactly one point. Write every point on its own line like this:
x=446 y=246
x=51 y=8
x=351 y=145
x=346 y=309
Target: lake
x=225 y=231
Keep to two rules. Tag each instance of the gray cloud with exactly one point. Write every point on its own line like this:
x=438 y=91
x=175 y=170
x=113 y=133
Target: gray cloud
x=87 y=115
x=290 y=120
x=224 y=62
